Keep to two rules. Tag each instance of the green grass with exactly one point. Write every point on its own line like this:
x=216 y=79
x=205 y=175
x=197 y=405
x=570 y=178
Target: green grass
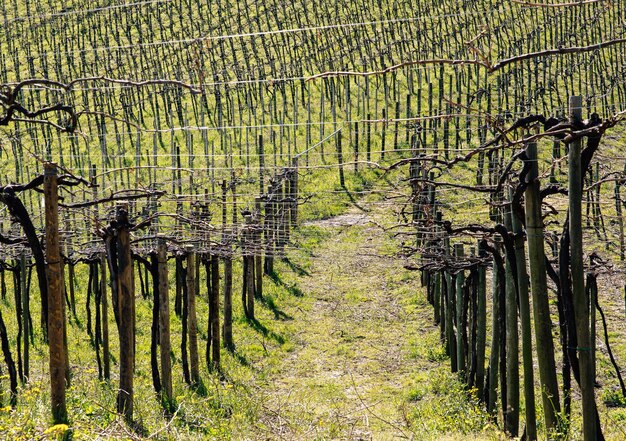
x=317 y=317
x=339 y=350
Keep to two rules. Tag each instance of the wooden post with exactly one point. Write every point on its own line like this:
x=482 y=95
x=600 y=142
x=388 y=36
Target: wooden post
x=450 y=313
x=592 y=289
x=283 y=225
x=182 y=278
x=472 y=323
x=25 y=317
x=192 y=322
x=443 y=304
x=481 y=325
x=154 y=328
x=436 y=296
x=95 y=288
x=56 y=320
x=369 y=137
x=524 y=312
x=261 y=164
x=258 y=258
x=248 y=287
x=620 y=220
x=459 y=279
x=581 y=305
x=293 y=186
x=19 y=274
x=383 y=134
x=72 y=276
x=395 y=130
x=178 y=277
x=126 y=313
x=620 y=223
x=228 y=298
x=249 y=281
x=442 y=283
x=214 y=312
x=356 y=146
x=342 y=180
x=511 y=413
x=106 y=358
x=269 y=231
x=206 y=262
x=539 y=291
x=494 y=358
x=164 y=322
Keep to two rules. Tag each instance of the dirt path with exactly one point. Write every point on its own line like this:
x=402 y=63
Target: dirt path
x=353 y=359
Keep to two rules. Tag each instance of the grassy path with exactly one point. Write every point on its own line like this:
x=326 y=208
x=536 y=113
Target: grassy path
x=365 y=350
x=347 y=373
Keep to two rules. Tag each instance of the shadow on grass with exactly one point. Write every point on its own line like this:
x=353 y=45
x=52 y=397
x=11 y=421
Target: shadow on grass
x=295 y=267
x=200 y=388
x=291 y=289
x=262 y=329
x=170 y=406
x=75 y=321
x=269 y=303
x=241 y=359
x=354 y=202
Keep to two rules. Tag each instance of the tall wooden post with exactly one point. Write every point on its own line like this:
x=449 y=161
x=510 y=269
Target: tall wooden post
x=71 y=274
x=524 y=312
x=496 y=335
x=592 y=290
x=581 y=304
x=342 y=180
x=261 y=163
x=443 y=304
x=192 y=322
x=228 y=297
x=450 y=314
x=620 y=223
x=106 y=358
x=248 y=258
x=436 y=287
x=511 y=413
x=25 y=317
x=250 y=286
x=293 y=187
x=126 y=312
x=460 y=344
x=19 y=275
x=164 y=322
x=228 y=271
x=269 y=230
x=258 y=258
x=68 y=371
x=481 y=324
x=539 y=291
x=56 y=319
x=214 y=307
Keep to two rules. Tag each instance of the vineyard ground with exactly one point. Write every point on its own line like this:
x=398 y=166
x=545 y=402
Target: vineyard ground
x=366 y=362
x=344 y=348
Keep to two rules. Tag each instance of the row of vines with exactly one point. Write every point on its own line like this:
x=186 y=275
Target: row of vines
x=171 y=139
